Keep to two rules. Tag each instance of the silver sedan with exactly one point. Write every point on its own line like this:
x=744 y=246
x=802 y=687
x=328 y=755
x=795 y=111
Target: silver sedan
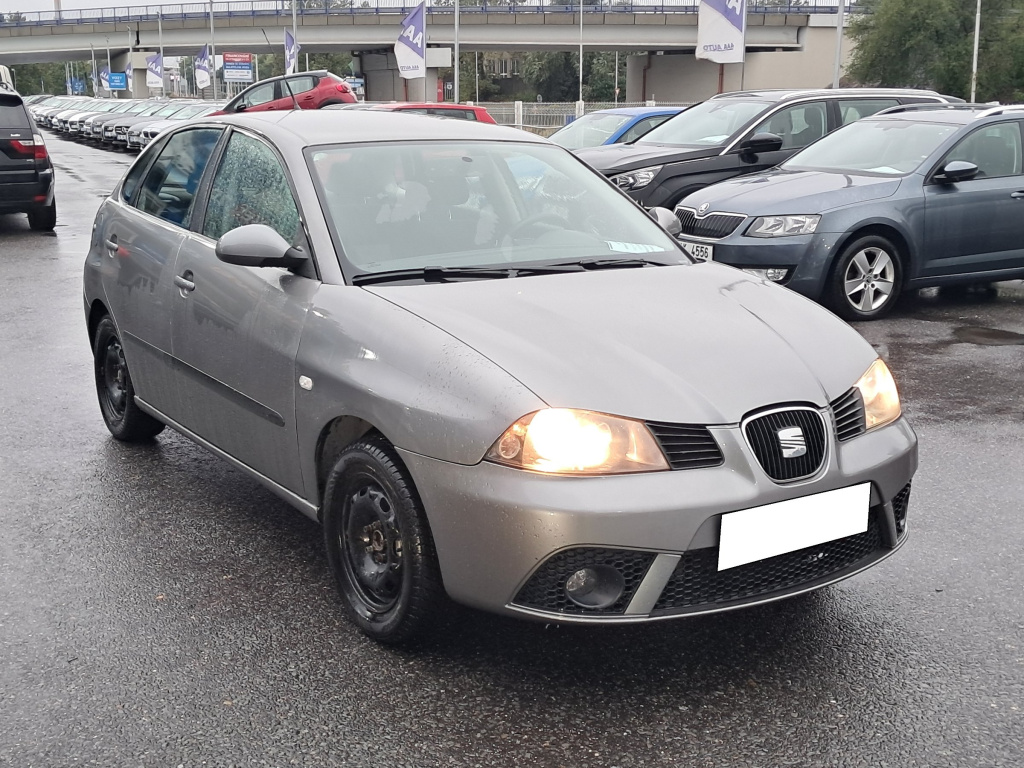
x=490 y=375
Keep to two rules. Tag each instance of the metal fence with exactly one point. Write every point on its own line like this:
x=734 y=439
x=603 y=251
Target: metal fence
x=544 y=118
x=253 y=8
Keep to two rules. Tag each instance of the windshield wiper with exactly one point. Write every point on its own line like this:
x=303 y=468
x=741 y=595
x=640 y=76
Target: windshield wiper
x=614 y=263
x=443 y=274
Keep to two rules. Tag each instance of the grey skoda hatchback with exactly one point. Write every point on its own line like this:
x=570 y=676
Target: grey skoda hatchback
x=923 y=197
x=487 y=373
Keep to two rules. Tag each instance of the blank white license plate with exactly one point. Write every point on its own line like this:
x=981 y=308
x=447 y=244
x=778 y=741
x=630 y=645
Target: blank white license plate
x=786 y=526
x=698 y=251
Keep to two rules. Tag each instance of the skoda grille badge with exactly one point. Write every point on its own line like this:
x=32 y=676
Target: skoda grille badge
x=703 y=207
x=792 y=442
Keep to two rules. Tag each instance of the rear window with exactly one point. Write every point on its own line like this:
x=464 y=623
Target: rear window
x=12 y=113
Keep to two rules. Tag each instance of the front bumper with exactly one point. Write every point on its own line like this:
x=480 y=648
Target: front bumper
x=807 y=257
x=507 y=539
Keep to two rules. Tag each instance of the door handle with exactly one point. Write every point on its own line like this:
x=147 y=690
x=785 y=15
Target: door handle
x=185 y=284
x=1017 y=195
x=111 y=243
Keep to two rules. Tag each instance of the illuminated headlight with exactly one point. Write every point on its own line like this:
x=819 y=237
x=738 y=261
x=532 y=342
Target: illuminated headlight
x=571 y=442
x=783 y=226
x=775 y=274
x=636 y=179
x=881 y=400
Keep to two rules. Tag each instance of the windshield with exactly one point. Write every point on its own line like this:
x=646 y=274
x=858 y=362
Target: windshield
x=707 y=124
x=590 y=130
x=885 y=147
x=401 y=206
x=170 y=109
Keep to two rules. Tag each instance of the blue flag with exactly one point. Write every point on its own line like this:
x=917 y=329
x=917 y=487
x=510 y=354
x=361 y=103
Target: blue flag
x=410 y=50
x=291 y=53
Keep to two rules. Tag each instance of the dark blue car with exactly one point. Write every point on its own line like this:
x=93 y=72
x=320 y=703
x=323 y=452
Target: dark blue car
x=895 y=202
x=612 y=126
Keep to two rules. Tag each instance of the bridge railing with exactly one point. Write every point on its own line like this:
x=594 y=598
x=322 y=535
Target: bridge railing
x=252 y=8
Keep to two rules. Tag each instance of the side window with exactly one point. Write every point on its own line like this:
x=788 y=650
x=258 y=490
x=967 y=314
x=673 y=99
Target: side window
x=852 y=110
x=299 y=85
x=169 y=188
x=251 y=188
x=798 y=125
x=995 y=149
x=132 y=179
x=259 y=95
x=457 y=114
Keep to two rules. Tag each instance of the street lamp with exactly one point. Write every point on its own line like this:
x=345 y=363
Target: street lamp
x=974 y=64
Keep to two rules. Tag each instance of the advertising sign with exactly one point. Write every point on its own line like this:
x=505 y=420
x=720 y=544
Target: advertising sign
x=117 y=81
x=203 y=68
x=721 y=28
x=237 y=67
x=291 y=53
x=155 y=71
x=411 y=46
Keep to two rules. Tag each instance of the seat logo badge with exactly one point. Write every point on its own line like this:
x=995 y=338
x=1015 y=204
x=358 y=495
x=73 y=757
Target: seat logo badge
x=703 y=207
x=792 y=442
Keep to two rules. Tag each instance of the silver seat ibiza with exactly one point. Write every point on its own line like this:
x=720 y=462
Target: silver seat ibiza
x=490 y=375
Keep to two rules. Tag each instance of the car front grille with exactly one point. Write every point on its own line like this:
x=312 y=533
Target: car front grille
x=848 y=412
x=697 y=583
x=686 y=446
x=545 y=590
x=763 y=436
x=714 y=226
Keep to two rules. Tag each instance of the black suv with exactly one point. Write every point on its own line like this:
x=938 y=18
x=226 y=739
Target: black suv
x=733 y=134
x=26 y=173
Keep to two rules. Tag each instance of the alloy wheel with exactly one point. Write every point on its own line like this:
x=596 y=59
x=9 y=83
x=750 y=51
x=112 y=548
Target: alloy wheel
x=869 y=279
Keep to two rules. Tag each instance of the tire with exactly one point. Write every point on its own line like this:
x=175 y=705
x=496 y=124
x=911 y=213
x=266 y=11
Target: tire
x=125 y=420
x=379 y=545
x=44 y=219
x=867 y=279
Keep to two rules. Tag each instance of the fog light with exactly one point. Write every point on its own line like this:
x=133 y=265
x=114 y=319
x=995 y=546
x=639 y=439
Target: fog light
x=774 y=274
x=595 y=587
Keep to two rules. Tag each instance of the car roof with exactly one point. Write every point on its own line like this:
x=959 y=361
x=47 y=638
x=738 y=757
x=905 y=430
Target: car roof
x=423 y=105
x=637 y=111
x=783 y=94
x=314 y=126
x=955 y=114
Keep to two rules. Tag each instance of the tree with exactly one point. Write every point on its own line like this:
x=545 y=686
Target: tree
x=928 y=44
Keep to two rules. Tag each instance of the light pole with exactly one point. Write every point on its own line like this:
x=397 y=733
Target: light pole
x=839 y=42
x=581 y=53
x=455 y=84
x=213 y=54
x=974 y=64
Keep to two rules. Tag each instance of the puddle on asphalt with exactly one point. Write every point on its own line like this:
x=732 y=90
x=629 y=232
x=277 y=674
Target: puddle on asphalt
x=992 y=337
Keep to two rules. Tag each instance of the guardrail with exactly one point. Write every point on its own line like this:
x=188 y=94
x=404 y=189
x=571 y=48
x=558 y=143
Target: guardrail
x=253 y=8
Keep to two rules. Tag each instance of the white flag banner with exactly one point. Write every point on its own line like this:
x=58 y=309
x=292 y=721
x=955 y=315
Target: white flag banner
x=155 y=71
x=203 y=68
x=721 y=28
x=291 y=54
x=410 y=50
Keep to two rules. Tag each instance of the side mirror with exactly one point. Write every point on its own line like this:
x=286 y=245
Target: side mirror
x=760 y=142
x=257 y=245
x=666 y=220
x=957 y=170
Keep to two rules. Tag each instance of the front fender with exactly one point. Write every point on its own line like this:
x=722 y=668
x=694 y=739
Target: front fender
x=423 y=389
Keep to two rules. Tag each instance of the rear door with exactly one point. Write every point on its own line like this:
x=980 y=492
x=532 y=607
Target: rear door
x=303 y=87
x=978 y=225
x=17 y=151
x=139 y=237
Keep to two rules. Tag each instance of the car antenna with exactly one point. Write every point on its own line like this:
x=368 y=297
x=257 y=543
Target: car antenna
x=295 y=102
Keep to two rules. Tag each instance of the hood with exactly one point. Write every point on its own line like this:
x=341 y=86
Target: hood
x=783 y=191
x=616 y=158
x=700 y=344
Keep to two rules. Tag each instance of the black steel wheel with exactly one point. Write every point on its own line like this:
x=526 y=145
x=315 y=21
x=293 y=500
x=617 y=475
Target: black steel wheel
x=125 y=420
x=379 y=545
x=867 y=279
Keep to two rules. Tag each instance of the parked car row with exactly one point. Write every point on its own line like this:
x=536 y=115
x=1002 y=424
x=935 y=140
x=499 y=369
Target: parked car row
x=116 y=123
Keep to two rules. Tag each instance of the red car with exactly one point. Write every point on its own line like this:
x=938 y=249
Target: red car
x=458 y=111
x=310 y=90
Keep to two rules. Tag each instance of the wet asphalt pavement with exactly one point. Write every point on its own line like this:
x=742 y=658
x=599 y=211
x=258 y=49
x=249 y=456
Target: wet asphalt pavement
x=158 y=608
